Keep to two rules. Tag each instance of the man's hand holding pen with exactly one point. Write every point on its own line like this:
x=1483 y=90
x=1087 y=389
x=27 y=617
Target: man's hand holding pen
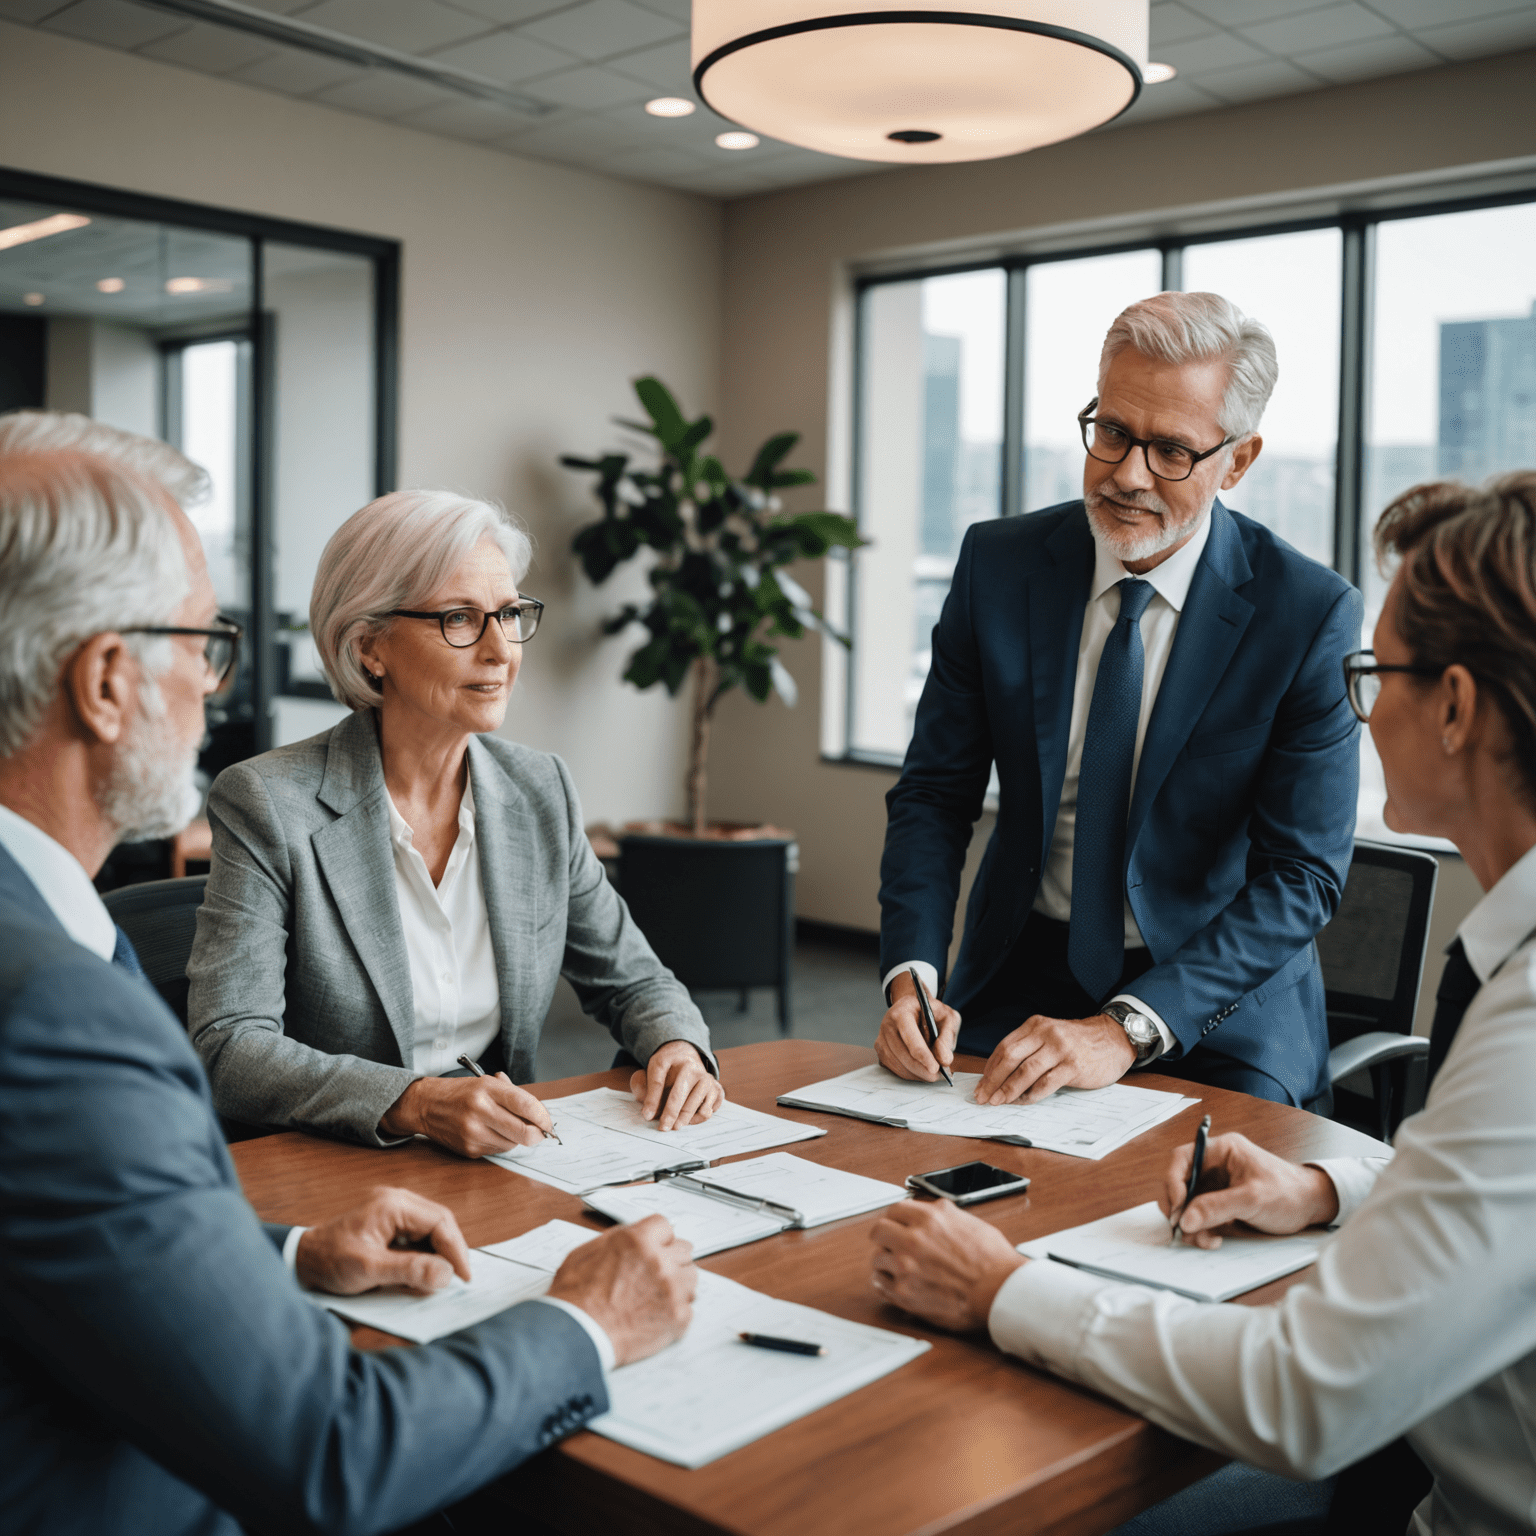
x=900 y=1044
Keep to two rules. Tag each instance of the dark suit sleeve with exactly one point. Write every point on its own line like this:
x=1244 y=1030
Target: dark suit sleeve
x=141 y=1284
x=1301 y=834
x=276 y=1235
x=933 y=808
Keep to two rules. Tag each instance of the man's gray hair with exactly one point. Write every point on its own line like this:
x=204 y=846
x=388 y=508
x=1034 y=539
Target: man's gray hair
x=1202 y=328
x=85 y=546
x=395 y=553
x=50 y=431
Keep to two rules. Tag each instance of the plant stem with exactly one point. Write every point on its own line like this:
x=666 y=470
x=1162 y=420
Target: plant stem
x=698 y=753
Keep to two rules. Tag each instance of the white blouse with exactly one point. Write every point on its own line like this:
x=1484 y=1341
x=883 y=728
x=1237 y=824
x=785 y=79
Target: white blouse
x=448 y=943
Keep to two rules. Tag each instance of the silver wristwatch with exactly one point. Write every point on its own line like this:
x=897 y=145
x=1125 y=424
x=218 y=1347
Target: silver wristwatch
x=1139 y=1030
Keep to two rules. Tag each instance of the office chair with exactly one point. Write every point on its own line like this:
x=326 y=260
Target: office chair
x=1373 y=966
x=160 y=918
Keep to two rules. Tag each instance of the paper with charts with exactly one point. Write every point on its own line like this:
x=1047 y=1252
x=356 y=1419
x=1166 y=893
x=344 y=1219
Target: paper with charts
x=817 y=1194
x=608 y=1141
x=1083 y=1122
x=1133 y=1245
x=710 y=1394
x=504 y=1274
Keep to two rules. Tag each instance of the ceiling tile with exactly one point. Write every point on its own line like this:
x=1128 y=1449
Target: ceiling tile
x=1330 y=27
x=601 y=28
x=509 y=56
x=295 y=72
x=587 y=135
x=678 y=10
x=1243 y=13
x=694 y=133
x=1476 y=39
x=668 y=67
x=588 y=89
x=408 y=25
x=659 y=162
x=115 y=23
x=1255 y=81
x=1394 y=55
x=1436 y=13
x=477 y=121
x=1174 y=23
x=509 y=13
x=282 y=7
x=1219 y=51
x=1170 y=99
x=214 y=50
x=382 y=93
x=29 y=11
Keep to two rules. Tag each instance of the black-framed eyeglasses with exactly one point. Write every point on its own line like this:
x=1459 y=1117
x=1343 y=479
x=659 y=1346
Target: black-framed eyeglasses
x=1110 y=443
x=1362 y=679
x=463 y=627
x=221 y=647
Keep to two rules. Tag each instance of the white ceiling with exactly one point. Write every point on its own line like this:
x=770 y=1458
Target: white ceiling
x=596 y=62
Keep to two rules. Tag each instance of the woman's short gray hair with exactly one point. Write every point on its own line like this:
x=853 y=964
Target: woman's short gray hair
x=1201 y=328
x=85 y=546
x=396 y=553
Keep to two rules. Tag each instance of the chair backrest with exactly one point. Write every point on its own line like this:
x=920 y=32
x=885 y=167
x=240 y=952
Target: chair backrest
x=160 y=919
x=1373 y=950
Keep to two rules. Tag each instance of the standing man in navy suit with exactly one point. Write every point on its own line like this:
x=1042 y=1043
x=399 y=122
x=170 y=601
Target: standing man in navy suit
x=1158 y=680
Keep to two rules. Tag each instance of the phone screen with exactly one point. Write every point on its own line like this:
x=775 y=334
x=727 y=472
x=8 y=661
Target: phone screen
x=971 y=1178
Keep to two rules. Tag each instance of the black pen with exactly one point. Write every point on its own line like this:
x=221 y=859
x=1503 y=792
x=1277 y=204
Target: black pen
x=784 y=1346
x=930 y=1029
x=1196 y=1168
x=474 y=1067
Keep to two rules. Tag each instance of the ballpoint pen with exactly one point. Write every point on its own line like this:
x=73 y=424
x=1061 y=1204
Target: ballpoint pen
x=1196 y=1168
x=784 y=1346
x=734 y=1197
x=930 y=1029
x=472 y=1066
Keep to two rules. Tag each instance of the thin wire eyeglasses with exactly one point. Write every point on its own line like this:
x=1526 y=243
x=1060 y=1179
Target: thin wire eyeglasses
x=221 y=650
x=463 y=627
x=1110 y=443
x=1362 y=680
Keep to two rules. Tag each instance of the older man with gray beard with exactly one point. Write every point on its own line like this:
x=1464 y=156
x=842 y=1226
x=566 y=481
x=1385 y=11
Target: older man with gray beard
x=1158 y=682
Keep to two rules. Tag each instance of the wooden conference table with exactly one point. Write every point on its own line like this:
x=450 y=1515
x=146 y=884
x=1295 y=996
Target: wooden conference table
x=963 y=1439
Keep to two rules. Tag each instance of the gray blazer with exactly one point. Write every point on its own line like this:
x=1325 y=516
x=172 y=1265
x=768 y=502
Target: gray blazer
x=300 y=1003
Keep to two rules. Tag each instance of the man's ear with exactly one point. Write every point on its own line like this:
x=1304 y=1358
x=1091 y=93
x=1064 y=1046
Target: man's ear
x=101 y=683
x=1242 y=460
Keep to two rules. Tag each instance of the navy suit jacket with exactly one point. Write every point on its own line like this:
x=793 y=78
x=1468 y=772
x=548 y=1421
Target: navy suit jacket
x=1242 y=817
x=160 y=1371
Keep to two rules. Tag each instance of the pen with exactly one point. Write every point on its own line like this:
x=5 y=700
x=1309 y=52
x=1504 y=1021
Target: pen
x=1196 y=1167
x=930 y=1029
x=733 y=1196
x=786 y=1346
x=477 y=1070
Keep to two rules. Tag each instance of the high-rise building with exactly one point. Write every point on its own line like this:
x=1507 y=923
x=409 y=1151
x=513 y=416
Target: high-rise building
x=941 y=441
x=1487 y=396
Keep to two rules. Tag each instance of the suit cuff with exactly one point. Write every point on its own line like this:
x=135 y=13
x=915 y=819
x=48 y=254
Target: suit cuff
x=928 y=974
x=595 y=1330
x=1164 y=1033
x=291 y=1248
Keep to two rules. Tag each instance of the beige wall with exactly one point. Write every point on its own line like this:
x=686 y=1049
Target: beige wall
x=532 y=293
x=787 y=257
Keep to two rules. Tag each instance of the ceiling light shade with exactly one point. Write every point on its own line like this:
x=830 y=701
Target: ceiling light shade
x=952 y=80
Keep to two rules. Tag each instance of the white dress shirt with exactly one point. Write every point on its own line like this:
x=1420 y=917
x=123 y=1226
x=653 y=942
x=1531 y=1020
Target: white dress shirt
x=1159 y=624
x=1420 y=1315
x=448 y=943
x=61 y=881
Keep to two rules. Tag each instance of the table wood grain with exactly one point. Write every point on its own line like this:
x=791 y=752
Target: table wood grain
x=963 y=1439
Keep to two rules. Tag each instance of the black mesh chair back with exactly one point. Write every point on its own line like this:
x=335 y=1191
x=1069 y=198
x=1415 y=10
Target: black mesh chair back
x=160 y=918
x=1373 y=967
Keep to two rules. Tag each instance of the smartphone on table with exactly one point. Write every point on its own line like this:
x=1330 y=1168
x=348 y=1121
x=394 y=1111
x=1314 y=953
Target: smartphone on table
x=969 y=1183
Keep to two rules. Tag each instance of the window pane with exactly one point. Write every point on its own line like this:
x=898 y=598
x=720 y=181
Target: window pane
x=1071 y=304
x=930 y=460
x=1291 y=283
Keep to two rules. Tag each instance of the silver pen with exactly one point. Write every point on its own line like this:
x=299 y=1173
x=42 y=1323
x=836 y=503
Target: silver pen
x=736 y=1197
x=477 y=1070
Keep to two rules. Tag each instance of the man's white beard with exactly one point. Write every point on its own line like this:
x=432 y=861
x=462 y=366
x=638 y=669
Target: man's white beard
x=1129 y=544
x=151 y=791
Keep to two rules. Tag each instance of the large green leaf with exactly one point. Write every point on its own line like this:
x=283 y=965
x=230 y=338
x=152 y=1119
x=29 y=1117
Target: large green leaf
x=770 y=456
x=662 y=409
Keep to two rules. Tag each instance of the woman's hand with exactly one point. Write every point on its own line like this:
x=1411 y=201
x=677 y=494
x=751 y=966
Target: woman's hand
x=473 y=1116
x=678 y=1086
x=1242 y=1182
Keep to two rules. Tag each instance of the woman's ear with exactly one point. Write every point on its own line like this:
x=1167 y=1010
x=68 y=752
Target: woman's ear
x=1458 y=707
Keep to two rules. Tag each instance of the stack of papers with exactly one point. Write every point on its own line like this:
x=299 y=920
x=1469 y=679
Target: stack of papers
x=816 y=1195
x=1083 y=1122
x=1134 y=1245
x=608 y=1141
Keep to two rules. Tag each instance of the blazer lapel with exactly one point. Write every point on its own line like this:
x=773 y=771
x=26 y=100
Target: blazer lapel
x=1210 y=627
x=358 y=863
x=1058 y=599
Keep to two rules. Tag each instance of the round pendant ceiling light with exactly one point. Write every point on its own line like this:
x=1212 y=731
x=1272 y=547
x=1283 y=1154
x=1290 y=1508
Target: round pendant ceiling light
x=953 y=80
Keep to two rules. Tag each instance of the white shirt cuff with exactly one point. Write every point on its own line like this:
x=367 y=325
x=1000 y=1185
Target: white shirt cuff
x=1353 y=1179
x=1042 y=1313
x=1163 y=1031
x=595 y=1330
x=927 y=973
x=291 y=1248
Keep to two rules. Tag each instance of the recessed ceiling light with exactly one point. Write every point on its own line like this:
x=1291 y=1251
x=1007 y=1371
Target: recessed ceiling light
x=1155 y=74
x=32 y=299
x=669 y=106
x=737 y=140
x=111 y=285
x=199 y=285
x=40 y=229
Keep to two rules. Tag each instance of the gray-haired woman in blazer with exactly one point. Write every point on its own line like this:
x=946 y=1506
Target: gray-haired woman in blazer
x=405 y=888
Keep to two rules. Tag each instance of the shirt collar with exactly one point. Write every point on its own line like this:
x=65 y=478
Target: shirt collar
x=400 y=831
x=1170 y=579
x=1495 y=928
x=61 y=881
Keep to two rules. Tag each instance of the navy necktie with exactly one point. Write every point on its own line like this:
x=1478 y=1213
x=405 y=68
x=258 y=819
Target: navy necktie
x=124 y=954
x=1096 y=938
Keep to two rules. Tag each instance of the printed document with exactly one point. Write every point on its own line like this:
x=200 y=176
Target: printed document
x=1083 y=1122
x=1133 y=1245
x=607 y=1140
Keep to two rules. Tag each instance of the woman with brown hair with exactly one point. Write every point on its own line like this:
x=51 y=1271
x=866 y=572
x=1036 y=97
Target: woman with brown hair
x=1420 y=1317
